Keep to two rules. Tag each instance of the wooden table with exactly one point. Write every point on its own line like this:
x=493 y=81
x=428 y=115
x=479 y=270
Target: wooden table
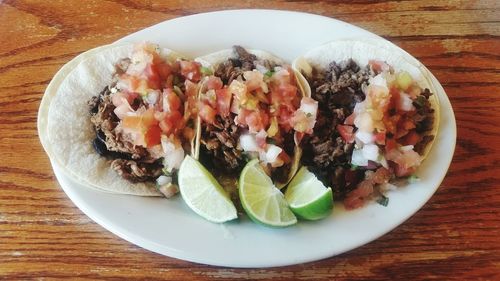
x=454 y=236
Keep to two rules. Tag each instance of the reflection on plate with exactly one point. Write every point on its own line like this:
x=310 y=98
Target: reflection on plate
x=170 y=228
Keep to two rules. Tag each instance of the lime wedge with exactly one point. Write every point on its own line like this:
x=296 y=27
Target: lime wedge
x=203 y=194
x=262 y=201
x=307 y=196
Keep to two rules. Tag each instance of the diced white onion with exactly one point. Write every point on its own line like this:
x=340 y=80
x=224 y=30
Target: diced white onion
x=248 y=143
x=364 y=122
x=162 y=180
x=271 y=154
x=152 y=97
x=406 y=148
x=405 y=103
x=371 y=152
x=387 y=187
x=173 y=155
x=364 y=136
x=168 y=190
x=308 y=105
x=358 y=159
x=379 y=80
x=260 y=68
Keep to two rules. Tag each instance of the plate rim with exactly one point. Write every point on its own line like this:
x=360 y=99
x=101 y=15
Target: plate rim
x=173 y=252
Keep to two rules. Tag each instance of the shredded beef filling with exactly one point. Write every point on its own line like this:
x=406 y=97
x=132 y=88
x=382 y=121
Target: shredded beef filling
x=425 y=120
x=234 y=67
x=133 y=163
x=219 y=145
x=337 y=90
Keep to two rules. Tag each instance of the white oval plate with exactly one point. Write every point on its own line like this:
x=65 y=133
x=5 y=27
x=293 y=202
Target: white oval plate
x=168 y=227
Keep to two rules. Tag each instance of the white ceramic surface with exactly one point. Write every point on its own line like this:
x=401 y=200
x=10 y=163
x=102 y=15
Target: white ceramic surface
x=168 y=227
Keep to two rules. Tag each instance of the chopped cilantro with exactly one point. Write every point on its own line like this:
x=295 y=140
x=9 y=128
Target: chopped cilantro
x=206 y=71
x=383 y=200
x=271 y=141
x=269 y=73
x=309 y=115
x=413 y=179
x=166 y=173
x=354 y=167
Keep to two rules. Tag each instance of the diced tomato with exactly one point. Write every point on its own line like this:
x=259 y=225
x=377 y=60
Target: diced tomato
x=191 y=99
x=356 y=198
x=140 y=123
x=390 y=144
x=380 y=138
x=284 y=115
x=260 y=138
x=191 y=89
x=350 y=119
x=381 y=175
x=191 y=70
x=132 y=122
x=253 y=80
x=256 y=121
x=166 y=125
x=152 y=136
x=214 y=83
x=223 y=101
x=407 y=124
x=287 y=93
x=172 y=122
x=148 y=118
x=391 y=122
x=171 y=102
x=402 y=171
x=164 y=70
x=412 y=138
x=346 y=132
x=121 y=97
x=401 y=133
x=378 y=65
x=285 y=157
x=206 y=112
x=153 y=77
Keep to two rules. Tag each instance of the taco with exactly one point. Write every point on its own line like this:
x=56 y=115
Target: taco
x=251 y=106
x=377 y=117
x=121 y=122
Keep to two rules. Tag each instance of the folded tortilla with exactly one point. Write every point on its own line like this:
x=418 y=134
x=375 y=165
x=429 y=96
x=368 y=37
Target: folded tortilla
x=362 y=51
x=212 y=61
x=64 y=124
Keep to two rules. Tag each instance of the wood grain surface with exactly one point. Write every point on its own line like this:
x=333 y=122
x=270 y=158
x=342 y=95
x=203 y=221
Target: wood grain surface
x=455 y=236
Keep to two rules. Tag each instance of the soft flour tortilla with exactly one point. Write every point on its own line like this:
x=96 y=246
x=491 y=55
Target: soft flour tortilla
x=68 y=135
x=211 y=61
x=361 y=51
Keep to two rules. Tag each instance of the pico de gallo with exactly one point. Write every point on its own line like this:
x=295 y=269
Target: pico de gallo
x=259 y=113
x=372 y=129
x=386 y=128
x=143 y=120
